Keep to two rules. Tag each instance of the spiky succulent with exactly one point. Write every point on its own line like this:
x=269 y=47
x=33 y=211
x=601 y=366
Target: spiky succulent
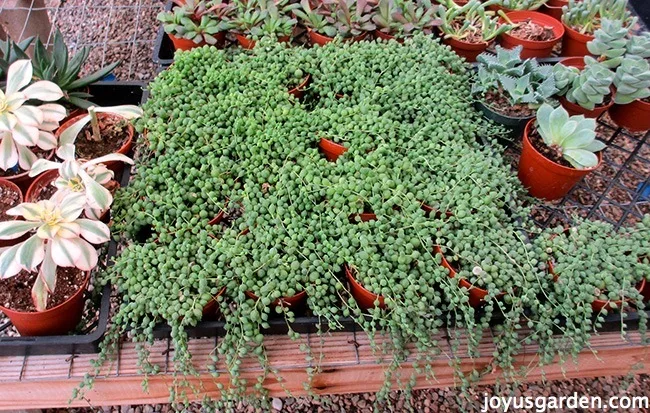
x=523 y=81
x=609 y=43
x=460 y=22
x=11 y=51
x=402 y=18
x=632 y=80
x=591 y=86
x=574 y=138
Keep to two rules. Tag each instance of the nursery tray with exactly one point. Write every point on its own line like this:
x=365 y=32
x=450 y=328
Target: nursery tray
x=105 y=94
x=163 y=48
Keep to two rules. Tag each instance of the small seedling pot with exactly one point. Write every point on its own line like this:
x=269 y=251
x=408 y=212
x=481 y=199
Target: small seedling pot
x=465 y=49
x=293 y=302
x=634 y=116
x=10 y=186
x=532 y=48
x=574 y=43
x=299 y=90
x=55 y=321
x=322 y=40
x=575 y=109
x=544 y=178
x=184 y=44
x=553 y=11
x=331 y=150
x=476 y=295
x=114 y=166
x=364 y=298
x=514 y=125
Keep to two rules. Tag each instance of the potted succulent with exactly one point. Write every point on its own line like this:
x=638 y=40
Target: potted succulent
x=194 y=23
x=509 y=89
x=25 y=127
x=517 y=5
x=537 y=33
x=256 y=18
x=349 y=19
x=585 y=86
x=55 y=260
x=581 y=18
x=102 y=131
x=11 y=51
x=469 y=29
x=558 y=151
x=401 y=18
x=59 y=67
x=91 y=177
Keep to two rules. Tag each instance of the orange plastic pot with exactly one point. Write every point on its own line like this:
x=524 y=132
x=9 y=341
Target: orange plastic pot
x=476 y=295
x=114 y=166
x=634 y=116
x=364 y=217
x=218 y=218
x=575 y=109
x=56 y=321
x=13 y=187
x=532 y=48
x=553 y=11
x=299 y=90
x=465 y=49
x=385 y=36
x=23 y=180
x=544 y=178
x=247 y=43
x=362 y=296
x=557 y=3
x=211 y=309
x=331 y=150
x=574 y=43
x=322 y=40
x=295 y=301
x=184 y=44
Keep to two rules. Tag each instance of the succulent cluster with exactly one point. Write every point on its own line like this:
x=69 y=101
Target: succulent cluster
x=197 y=20
x=402 y=18
x=586 y=16
x=347 y=18
x=521 y=4
x=470 y=22
x=265 y=17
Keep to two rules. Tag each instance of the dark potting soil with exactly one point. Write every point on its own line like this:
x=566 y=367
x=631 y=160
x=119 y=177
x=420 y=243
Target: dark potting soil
x=16 y=292
x=549 y=153
x=46 y=192
x=499 y=103
x=9 y=198
x=40 y=154
x=114 y=133
x=529 y=30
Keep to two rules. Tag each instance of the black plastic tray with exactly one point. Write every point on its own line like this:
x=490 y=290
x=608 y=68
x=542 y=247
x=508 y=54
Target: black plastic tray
x=163 y=48
x=105 y=94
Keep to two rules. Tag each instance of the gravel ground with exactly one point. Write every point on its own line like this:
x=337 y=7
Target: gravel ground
x=427 y=401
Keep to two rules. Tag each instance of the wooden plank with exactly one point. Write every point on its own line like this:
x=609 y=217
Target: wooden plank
x=348 y=366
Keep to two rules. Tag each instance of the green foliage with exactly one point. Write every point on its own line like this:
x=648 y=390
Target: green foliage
x=265 y=17
x=197 y=20
x=572 y=137
x=57 y=66
x=521 y=81
x=11 y=51
x=632 y=80
x=346 y=18
x=470 y=20
x=521 y=4
x=403 y=18
x=590 y=86
x=586 y=16
x=609 y=42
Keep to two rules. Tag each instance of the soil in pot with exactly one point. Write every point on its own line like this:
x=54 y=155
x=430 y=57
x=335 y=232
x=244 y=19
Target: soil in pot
x=10 y=196
x=529 y=30
x=16 y=292
x=536 y=32
x=500 y=104
x=13 y=172
x=545 y=150
x=114 y=133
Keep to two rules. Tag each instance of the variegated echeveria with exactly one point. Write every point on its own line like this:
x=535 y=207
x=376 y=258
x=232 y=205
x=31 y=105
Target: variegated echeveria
x=87 y=177
x=59 y=238
x=24 y=125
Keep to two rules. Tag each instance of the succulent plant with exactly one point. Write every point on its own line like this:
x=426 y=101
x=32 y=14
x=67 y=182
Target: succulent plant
x=259 y=17
x=11 y=51
x=346 y=18
x=609 y=43
x=522 y=81
x=639 y=45
x=402 y=18
x=564 y=77
x=586 y=16
x=592 y=85
x=632 y=80
x=58 y=67
x=521 y=4
x=197 y=20
x=472 y=19
x=573 y=138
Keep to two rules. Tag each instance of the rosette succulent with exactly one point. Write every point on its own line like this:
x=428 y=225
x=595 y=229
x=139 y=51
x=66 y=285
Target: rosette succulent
x=632 y=81
x=589 y=87
x=470 y=21
x=609 y=43
x=197 y=20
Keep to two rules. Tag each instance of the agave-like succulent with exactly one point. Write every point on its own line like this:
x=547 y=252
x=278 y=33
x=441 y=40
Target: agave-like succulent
x=23 y=124
x=610 y=43
x=87 y=177
x=632 y=80
x=11 y=51
x=574 y=138
x=346 y=18
x=591 y=86
x=59 y=239
x=260 y=17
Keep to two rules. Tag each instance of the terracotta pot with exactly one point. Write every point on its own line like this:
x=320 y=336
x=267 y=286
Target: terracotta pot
x=362 y=296
x=461 y=2
x=467 y=50
x=114 y=166
x=299 y=90
x=12 y=186
x=544 y=178
x=322 y=40
x=574 y=108
x=553 y=11
x=331 y=150
x=53 y=322
x=244 y=41
x=557 y=3
x=211 y=309
x=533 y=48
x=476 y=295
x=295 y=301
x=436 y=213
x=634 y=116
x=364 y=217
x=575 y=43
x=385 y=36
x=184 y=44
x=23 y=180
x=218 y=218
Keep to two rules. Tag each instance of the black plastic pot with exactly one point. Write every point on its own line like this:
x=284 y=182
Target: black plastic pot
x=515 y=126
x=105 y=94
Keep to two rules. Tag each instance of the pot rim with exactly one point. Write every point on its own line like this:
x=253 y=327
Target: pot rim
x=353 y=280
x=125 y=146
x=512 y=118
x=539 y=18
